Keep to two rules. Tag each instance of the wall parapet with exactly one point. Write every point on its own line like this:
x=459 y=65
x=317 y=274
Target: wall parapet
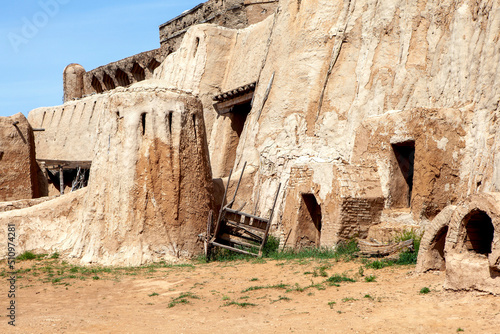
x=235 y=14
x=121 y=73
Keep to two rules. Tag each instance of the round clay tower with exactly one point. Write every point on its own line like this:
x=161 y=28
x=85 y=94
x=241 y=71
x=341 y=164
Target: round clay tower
x=73 y=81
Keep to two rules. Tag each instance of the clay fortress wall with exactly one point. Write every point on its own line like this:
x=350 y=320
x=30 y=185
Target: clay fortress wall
x=374 y=117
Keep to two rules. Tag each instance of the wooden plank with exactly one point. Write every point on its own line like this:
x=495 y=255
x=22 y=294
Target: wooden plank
x=61 y=180
x=234 y=240
x=233 y=249
x=258 y=227
x=371 y=248
x=247 y=230
x=65 y=164
x=227 y=106
x=217 y=225
x=270 y=219
x=239 y=181
x=247 y=215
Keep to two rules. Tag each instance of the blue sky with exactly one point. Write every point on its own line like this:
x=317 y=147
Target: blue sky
x=38 y=38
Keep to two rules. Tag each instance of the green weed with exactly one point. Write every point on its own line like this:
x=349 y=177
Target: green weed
x=425 y=290
x=259 y=287
x=182 y=299
x=280 y=298
x=244 y=304
x=339 y=278
x=370 y=278
x=26 y=256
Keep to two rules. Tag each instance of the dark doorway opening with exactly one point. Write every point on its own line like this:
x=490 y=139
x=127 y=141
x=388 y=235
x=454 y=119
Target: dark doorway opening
x=238 y=117
x=308 y=233
x=479 y=232
x=402 y=186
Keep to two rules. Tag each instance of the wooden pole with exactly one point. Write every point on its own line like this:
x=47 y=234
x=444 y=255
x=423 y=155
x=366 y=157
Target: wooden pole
x=61 y=180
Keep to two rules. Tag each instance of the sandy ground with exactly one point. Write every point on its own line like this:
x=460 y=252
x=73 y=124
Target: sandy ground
x=287 y=297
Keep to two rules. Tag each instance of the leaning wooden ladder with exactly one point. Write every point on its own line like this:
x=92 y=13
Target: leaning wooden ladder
x=236 y=230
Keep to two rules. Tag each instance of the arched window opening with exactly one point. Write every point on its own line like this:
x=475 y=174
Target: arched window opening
x=122 y=78
x=96 y=84
x=108 y=82
x=138 y=72
x=153 y=64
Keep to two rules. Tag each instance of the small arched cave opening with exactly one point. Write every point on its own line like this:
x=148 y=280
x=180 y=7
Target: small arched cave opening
x=479 y=232
x=153 y=64
x=96 y=84
x=122 y=78
x=308 y=228
x=108 y=82
x=138 y=72
x=437 y=248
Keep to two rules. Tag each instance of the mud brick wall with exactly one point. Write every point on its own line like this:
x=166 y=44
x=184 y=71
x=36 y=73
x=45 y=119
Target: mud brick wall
x=357 y=215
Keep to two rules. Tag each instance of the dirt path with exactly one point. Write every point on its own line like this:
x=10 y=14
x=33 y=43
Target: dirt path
x=244 y=297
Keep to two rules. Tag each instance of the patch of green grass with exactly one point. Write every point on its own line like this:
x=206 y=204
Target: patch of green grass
x=371 y=278
x=95 y=277
x=296 y=287
x=331 y=304
x=259 y=287
x=153 y=294
x=54 y=256
x=225 y=298
x=348 y=299
x=321 y=271
x=409 y=256
x=182 y=299
x=425 y=290
x=26 y=256
x=340 y=278
x=460 y=330
x=254 y=279
x=368 y=296
x=344 y=250
x=244 y=304
x=280 y=298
